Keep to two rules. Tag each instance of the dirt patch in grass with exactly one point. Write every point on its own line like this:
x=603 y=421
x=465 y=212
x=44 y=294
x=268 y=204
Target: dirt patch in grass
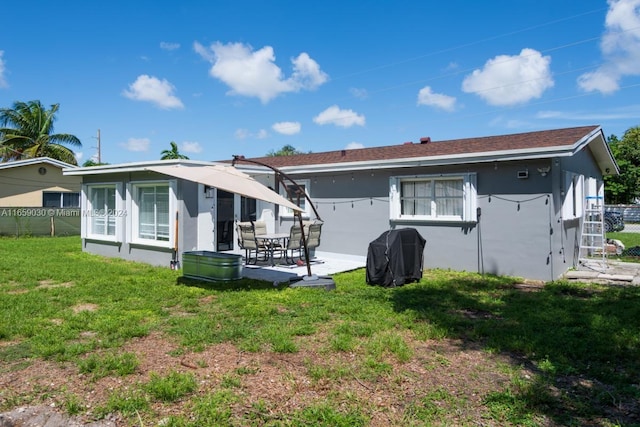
x=50 y=284
x=282 y=382
x=446 y=379
x=84 y=307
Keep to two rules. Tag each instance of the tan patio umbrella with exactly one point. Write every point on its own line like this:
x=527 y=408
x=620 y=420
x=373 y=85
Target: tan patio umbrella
x=226 y=178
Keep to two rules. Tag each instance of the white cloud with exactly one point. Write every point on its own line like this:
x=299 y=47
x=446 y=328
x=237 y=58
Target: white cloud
x=438 y=100
x=451 y=66
x=136 y=144
x=354 y=145
x=191 y=147
x=620 y=46
x=359 y=93
x=242 y=133
x=246 y=133
x=255 y=74
x=169 y=46
x=343 y=118
x=3 y=81
x=154 y=90
x=511 y=80
x=287 y=128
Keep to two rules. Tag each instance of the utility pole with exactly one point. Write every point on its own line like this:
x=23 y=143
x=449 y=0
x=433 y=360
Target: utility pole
x=99 y=159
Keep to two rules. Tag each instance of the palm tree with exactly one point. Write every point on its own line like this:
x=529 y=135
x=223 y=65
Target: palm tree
x=173 y=153
x=30 y=134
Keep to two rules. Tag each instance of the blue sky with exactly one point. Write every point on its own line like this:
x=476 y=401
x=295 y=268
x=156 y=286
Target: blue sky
x=248 y=77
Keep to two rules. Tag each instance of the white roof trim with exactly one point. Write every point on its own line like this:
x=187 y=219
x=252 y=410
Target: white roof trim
x=35 y=161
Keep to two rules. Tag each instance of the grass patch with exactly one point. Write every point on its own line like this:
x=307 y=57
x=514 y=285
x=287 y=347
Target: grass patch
x=100 y=366
x=171 y=387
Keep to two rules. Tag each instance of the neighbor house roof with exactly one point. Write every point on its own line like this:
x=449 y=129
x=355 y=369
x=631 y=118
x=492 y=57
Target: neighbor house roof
x=36 y=161
x=530 y=145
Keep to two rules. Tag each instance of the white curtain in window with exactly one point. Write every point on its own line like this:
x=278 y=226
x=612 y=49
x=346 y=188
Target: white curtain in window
x=110 y=207
x=146 y=216
x=97 y=201
x=416 y=198
x=449 y=196
x=162 y=212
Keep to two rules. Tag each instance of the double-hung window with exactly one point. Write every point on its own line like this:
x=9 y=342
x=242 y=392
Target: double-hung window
x=297 y=196
x=102 y=201
x=434 y=198
x=102 y=211
x=151 y=212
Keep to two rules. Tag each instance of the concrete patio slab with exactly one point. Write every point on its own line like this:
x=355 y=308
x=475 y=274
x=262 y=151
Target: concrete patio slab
x=322 y=265
x=614 y=272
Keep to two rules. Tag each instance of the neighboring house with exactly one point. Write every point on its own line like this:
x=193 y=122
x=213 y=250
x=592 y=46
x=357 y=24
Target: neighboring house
x=508 y=205
x=154 y=211
x=38 y=182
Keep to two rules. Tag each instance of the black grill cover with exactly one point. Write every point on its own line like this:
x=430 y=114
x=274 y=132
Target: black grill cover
x=395 y=258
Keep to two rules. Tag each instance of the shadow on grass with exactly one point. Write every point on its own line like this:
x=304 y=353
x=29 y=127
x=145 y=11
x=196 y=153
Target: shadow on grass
x=230 y=285
x=581 y=340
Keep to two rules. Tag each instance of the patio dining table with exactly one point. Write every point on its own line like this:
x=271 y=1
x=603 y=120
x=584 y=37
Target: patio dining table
x=272 y=242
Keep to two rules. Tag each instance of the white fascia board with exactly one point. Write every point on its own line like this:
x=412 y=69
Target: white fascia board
x=35 y=161
x=457 y=159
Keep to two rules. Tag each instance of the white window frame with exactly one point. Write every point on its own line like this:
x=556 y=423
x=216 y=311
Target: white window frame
x=469 y=198
x=133 y=229
x=574 y=198
x=90 y=213
x=286 y=212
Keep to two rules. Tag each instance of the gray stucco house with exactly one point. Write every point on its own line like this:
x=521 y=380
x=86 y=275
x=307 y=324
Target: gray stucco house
x=508 y=205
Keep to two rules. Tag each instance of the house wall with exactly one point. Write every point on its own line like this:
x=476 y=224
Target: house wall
x=23 y=186
x=187 y=201
x=569 y=230
x=512 y=236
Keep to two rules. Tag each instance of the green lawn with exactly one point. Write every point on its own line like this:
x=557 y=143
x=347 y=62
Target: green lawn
x=93 y=336
x=631 y=242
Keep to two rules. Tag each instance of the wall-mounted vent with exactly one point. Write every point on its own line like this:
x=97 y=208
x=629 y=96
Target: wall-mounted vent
x=523 y=174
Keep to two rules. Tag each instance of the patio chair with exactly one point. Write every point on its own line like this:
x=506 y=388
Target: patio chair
x=294 y=244
x=247 y=241
x=260 y=227
x=313 y=235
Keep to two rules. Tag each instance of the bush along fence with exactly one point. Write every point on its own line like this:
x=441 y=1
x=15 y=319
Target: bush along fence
x=39 y=221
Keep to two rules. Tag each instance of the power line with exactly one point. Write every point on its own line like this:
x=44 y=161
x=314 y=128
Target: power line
x=474 y=43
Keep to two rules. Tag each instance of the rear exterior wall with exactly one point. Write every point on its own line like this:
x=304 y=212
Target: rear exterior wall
x=513 y=235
